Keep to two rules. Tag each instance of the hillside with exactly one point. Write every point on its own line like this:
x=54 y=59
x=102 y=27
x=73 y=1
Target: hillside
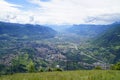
x=110 y=40
x=25 y=31
x=19 y=39
x=111 y=37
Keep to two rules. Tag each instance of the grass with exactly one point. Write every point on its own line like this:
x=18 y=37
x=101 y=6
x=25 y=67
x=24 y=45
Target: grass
x=66 y=75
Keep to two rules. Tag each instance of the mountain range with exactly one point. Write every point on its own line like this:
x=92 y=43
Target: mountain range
x=78 y=46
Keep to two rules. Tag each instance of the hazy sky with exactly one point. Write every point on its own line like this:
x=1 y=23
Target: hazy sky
x=60 y=11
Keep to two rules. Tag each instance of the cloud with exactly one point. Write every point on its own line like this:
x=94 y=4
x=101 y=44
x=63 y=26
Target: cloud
x=45 y=0
x=58 y=11
x=7 y=10
x=12 y=13
x=103 y=19
x=75 y=11
x=4 y=6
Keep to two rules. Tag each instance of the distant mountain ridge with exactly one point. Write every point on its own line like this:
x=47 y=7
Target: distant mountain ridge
x=88 y=30
x=24 y=31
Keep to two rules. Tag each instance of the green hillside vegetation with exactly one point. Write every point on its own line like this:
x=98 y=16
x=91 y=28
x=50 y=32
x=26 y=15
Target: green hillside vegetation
x=110 y=41
x=12 y=31
x=111 y=37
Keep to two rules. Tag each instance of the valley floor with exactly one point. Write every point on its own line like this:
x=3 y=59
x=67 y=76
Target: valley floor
x=66 y=75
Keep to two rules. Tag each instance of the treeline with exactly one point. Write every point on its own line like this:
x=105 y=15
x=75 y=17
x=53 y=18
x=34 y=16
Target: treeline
x=112 y=67
x=24 y=64
x=21 y=63
x=116 y=66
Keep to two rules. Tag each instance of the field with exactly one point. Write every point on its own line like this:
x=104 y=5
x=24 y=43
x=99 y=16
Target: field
x=66 y=75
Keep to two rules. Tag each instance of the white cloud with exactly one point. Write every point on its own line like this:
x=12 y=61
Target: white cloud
x=12 y=13
x=104 y=19
x=7 y=7
x=59 y=11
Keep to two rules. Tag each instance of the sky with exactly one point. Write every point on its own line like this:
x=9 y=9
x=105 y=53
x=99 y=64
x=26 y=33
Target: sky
x=60 y=11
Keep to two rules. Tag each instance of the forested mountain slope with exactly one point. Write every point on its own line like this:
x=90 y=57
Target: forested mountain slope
x=110 y=40
x=25 y=31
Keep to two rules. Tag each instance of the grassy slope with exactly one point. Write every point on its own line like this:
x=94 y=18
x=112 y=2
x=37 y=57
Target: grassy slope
x=67 y=75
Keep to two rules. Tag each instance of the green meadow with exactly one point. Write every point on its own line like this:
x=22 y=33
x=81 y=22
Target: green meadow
x=66 y=75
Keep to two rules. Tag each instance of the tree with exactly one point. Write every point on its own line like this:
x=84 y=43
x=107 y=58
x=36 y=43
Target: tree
x=31 y=66
x=98 y=68
x=19 y=64
x=116 y=66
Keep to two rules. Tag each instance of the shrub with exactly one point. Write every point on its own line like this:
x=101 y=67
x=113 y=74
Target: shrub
x=49 y=69
x=98 y=68
x=58 y=69
x=116 y=66
x=41 y=70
